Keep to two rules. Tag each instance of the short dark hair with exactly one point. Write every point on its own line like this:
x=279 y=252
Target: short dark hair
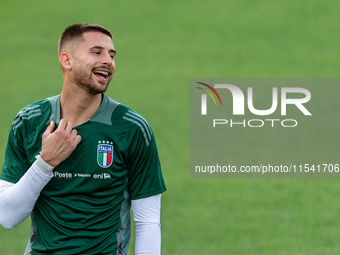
x=76 y=31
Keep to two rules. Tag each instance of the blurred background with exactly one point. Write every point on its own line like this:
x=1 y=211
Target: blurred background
x=160 y=46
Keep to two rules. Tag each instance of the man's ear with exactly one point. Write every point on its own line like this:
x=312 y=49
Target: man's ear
x=65 y=60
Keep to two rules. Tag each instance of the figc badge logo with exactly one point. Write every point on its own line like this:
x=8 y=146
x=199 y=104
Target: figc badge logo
x=104 y=154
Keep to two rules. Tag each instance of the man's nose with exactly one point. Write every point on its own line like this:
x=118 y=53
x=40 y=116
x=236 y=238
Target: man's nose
x=107 y=59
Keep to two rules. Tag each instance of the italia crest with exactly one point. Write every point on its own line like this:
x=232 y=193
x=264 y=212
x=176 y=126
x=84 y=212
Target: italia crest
x=104 y=154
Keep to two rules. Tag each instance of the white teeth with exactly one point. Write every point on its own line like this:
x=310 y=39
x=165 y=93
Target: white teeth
x=102 y=72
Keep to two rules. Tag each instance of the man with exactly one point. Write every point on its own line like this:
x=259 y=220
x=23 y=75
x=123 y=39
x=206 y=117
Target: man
x=77 y=161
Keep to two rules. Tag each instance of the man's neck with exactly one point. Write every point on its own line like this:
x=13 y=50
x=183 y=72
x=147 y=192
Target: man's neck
x=78 y=107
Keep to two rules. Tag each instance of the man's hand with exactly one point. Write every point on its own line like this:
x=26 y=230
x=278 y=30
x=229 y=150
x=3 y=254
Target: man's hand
x=58 y=145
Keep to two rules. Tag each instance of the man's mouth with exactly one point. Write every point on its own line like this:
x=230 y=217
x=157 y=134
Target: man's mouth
x=101 y=74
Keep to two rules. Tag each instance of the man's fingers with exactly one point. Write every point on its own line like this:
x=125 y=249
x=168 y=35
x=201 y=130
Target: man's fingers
x=58 y=145
x=77 y=139
x=73 y=134
x=69 y=127
x=50 y=128
x=65 y=129
x=62 y=124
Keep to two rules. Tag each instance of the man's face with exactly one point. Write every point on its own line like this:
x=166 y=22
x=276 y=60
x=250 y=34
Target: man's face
x=94 y=62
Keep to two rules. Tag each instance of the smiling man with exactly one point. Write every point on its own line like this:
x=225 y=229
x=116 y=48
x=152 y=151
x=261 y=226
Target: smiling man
x=78 y=161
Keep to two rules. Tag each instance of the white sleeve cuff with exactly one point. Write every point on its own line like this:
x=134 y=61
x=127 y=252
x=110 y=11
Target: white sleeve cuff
x=43 y=166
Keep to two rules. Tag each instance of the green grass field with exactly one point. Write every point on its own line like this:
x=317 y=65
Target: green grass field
x=160 y=46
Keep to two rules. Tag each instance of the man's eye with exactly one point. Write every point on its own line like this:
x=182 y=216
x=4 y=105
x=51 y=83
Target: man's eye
x=96 y=52
x=112 y=56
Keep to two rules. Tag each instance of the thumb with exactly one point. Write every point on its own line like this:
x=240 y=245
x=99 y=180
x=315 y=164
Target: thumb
x=50 y=128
